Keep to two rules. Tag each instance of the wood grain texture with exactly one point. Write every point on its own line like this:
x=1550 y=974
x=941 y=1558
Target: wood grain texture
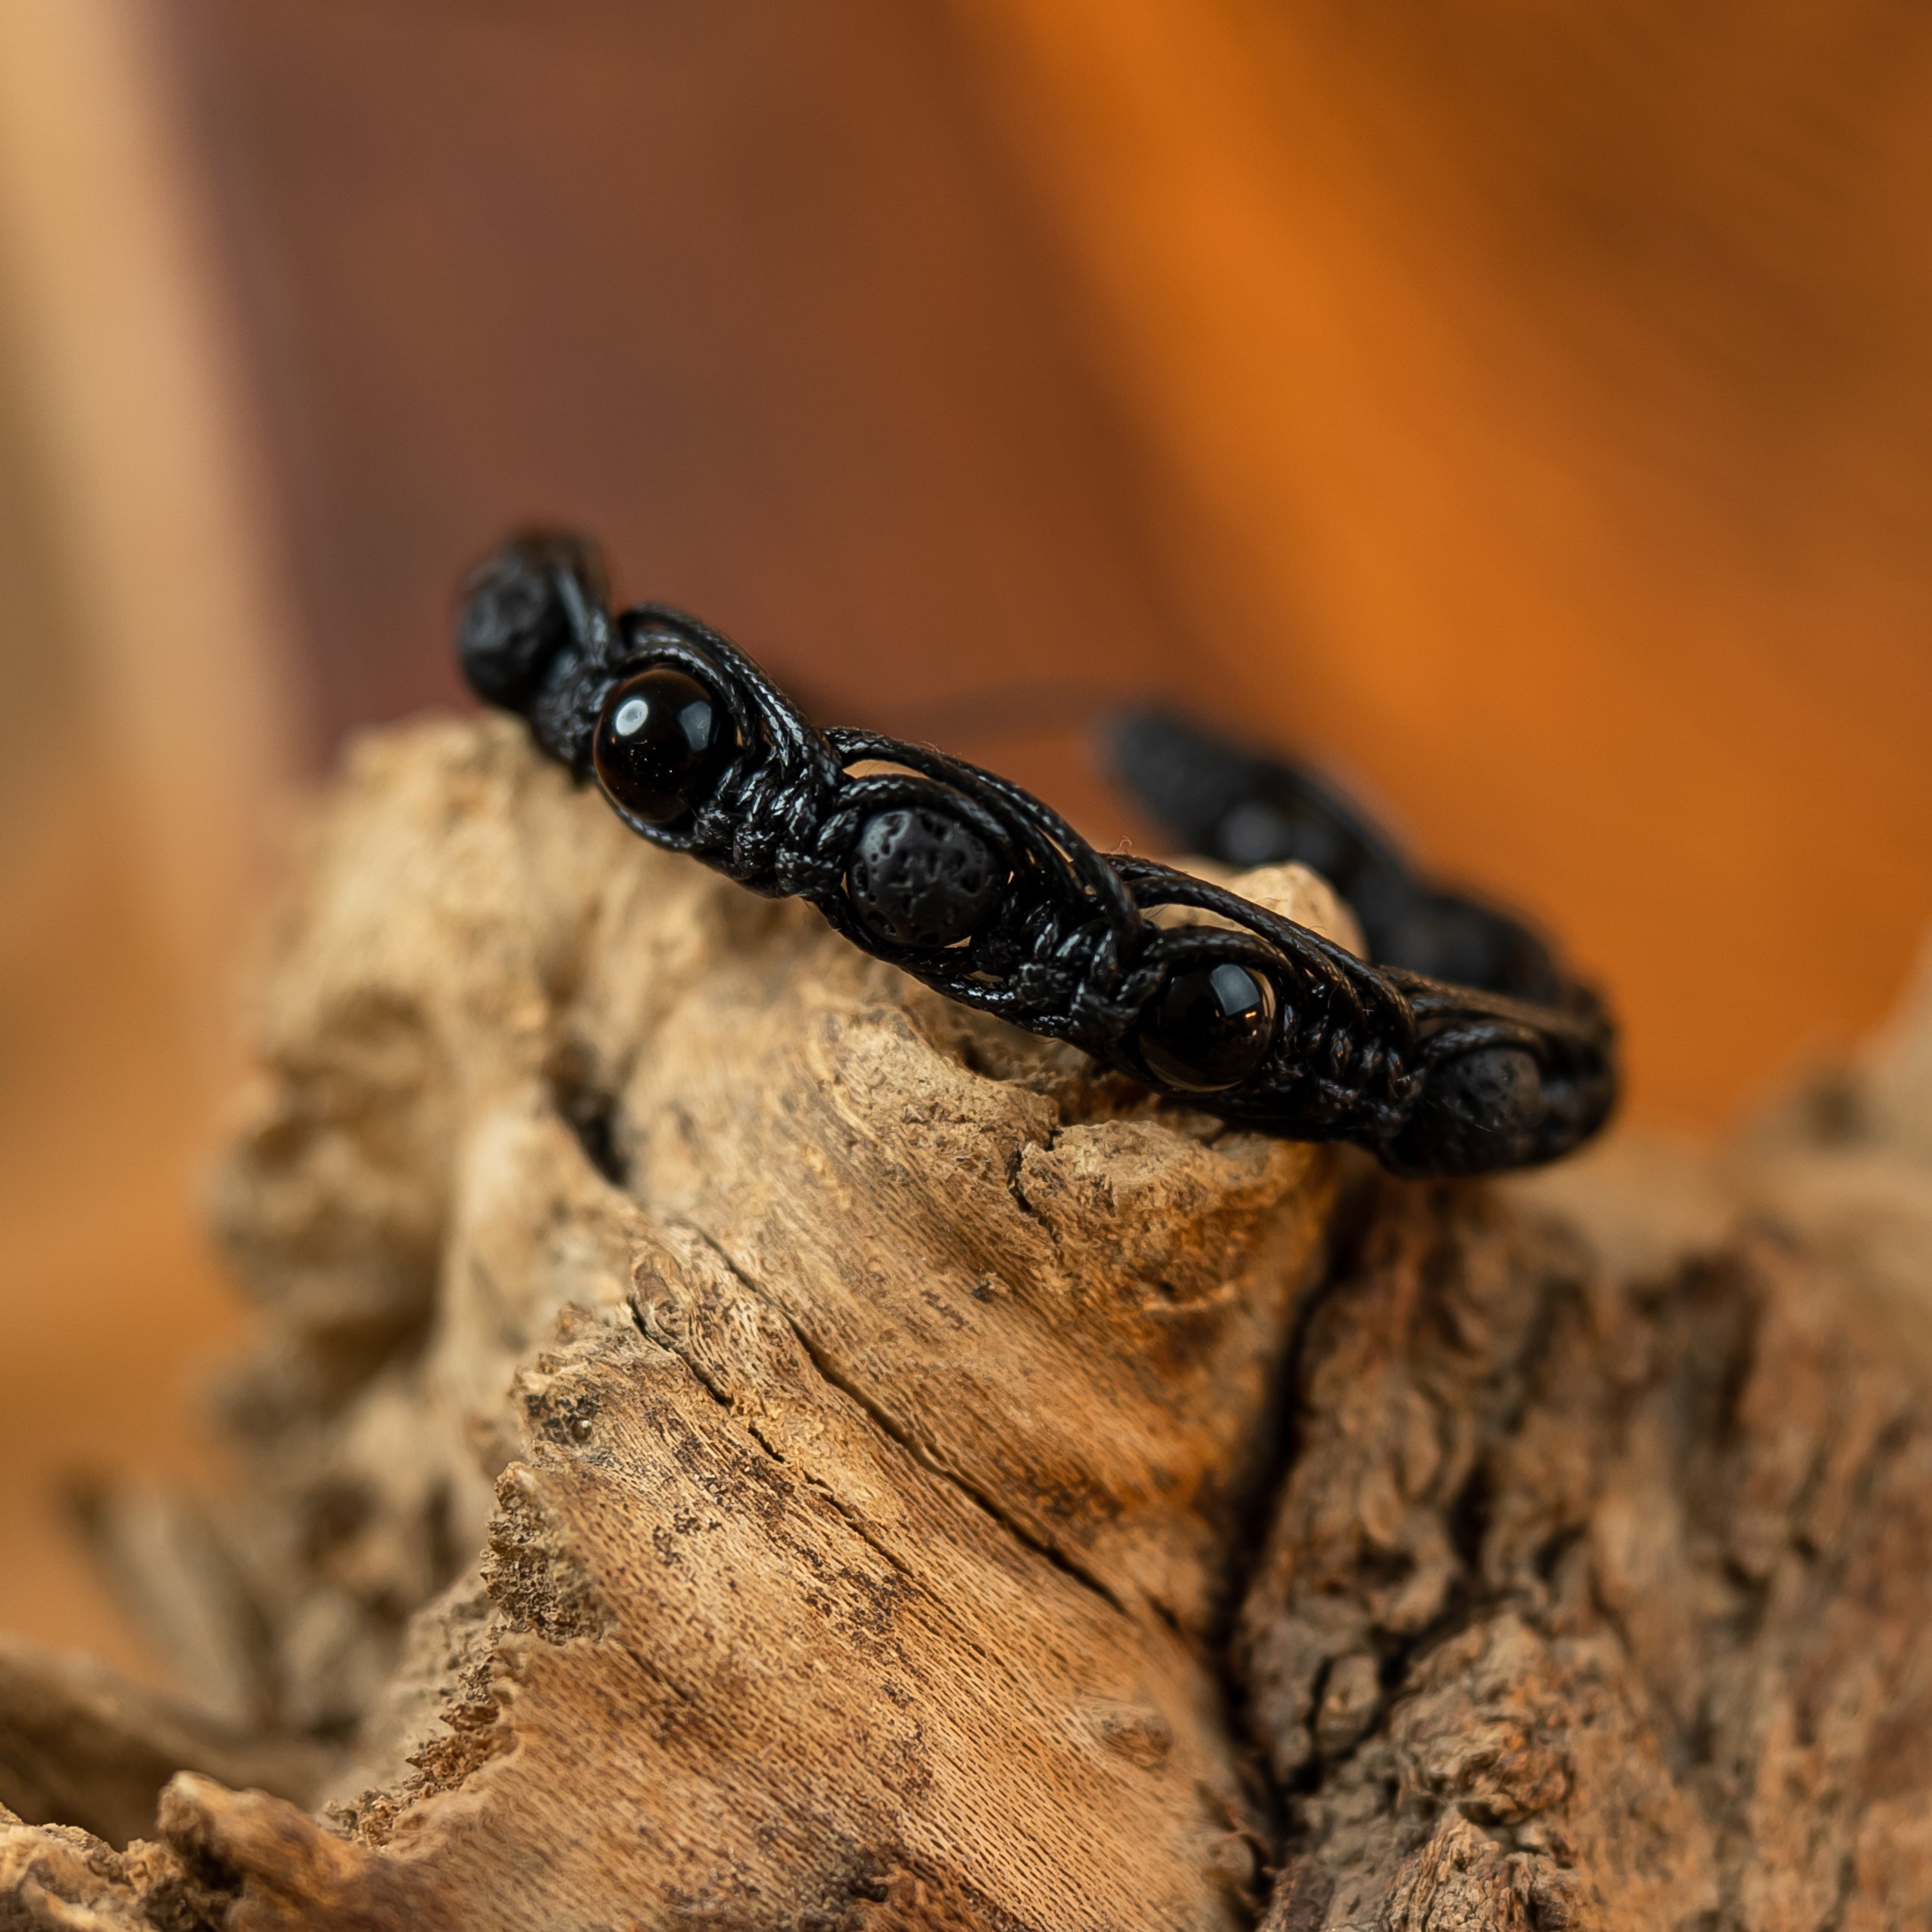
x=852 y=1403
x=734 y=1439
x=1598 y=1604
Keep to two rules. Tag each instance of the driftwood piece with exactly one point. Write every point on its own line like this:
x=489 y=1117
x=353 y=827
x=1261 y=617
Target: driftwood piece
x=1592 y=1604
x=736 y=1441
x=821 y=1418
x=79 y=1744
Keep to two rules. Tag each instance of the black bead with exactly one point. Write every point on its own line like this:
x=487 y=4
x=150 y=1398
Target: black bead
x=918 y=877
x=1481 y=1112
x=1208 y=1027
x=663 y=742
x=516 y=618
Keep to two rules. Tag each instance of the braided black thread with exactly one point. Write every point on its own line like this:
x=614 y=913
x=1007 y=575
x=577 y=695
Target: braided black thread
x=1246 y=808
x=1433 y=1078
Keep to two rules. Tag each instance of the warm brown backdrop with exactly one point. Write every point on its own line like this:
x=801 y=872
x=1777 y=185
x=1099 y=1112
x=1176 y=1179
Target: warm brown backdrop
x=1526 y=412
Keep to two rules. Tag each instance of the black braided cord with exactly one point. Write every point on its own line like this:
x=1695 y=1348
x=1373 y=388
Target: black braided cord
x=1431 y=1077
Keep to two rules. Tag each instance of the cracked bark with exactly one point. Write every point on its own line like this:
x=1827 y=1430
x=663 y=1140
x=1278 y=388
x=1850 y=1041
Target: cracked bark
x=1597 y=1603
x=735 y=1440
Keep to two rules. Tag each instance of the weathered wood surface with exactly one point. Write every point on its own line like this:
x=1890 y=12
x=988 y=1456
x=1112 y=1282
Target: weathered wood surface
x=736 y=1441
x=1598 y=1605
x=818 y=1421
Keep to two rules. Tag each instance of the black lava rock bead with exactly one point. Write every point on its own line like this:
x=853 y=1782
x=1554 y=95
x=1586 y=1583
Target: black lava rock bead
x=1481 y=1112
x=663 y=742
x=918 y=877
x=1208 y=1027
x=514 y=624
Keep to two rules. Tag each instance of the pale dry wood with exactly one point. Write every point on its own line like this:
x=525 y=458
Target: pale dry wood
x=79 y=1743
x=854 y=1404
x=735 y=1440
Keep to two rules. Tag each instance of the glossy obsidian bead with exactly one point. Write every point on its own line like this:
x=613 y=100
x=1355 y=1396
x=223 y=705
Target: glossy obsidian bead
x=1208 y=1027
x=918 y=877
x=663 y=742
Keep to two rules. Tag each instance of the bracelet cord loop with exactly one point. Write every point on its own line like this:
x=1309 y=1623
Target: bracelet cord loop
x=962 y=879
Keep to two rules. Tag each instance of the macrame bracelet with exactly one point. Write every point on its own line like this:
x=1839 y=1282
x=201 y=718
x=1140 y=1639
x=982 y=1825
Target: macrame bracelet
x=962 y=879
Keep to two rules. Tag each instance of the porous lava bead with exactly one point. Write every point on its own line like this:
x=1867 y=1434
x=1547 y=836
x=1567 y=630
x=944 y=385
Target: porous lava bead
x=918 y=877
x=663 y=742
x=514 y=624
x=1208 y=1027
x=1480 y=1113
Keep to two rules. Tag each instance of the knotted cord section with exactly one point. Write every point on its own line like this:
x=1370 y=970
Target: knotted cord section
x=957 y=876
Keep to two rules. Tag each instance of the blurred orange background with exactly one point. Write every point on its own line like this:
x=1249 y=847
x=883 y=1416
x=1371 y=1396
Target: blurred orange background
x=1524 y=413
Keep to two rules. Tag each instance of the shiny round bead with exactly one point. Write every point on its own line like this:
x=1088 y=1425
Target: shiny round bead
x=918 y=877
x=663 y=742
x=1208 y=1027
